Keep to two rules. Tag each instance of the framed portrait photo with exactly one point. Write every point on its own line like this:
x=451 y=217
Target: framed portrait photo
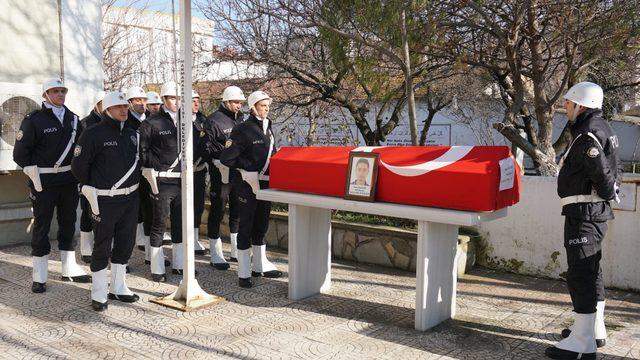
x=362 y=176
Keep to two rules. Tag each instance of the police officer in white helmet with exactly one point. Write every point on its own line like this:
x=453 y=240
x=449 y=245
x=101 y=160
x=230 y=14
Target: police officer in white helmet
x=248 y=151
x=160 y=153
x=199 y=170
x=153 y=102
x=86 y=228
x=589 y=179
x=43 y=149
x=106 y=162
x=137 y=98
x=218 y=128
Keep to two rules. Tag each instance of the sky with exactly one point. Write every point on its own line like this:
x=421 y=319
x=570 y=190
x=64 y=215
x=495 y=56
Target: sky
x=158 y=5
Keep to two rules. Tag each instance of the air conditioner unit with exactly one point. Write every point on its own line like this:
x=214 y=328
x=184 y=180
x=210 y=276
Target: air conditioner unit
x=16 y=101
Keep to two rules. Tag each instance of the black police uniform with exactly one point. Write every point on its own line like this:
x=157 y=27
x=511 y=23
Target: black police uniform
x=106 y=153
x=218 y=128
x=199 y=168
x=85 y=218
x=589 y=175
x=41 y=141
x=248 y=148
x=159 y=149
x=145 y=214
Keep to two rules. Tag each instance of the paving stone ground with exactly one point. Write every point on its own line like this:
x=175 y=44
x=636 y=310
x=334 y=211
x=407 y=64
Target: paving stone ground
x=367 y=315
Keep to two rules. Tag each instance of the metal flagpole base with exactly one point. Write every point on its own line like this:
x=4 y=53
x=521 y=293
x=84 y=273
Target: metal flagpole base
x=184 y=299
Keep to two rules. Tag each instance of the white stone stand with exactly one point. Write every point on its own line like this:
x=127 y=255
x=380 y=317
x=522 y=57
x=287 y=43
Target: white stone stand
x=436 y=276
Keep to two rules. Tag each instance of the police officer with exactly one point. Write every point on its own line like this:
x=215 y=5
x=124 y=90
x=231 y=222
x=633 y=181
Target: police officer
x=248 y=151
x=161 y=167
x=43 y=150
x=590 y=173
x=86 y=228
x=199 y=170
x=153 y=102
x=218 y=128
x=106 y=164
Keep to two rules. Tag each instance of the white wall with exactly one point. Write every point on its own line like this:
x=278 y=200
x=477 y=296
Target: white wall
x=530 y=239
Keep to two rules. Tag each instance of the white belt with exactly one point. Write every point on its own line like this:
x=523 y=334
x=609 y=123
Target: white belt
x=54 y=170
x=263 y=177
x=581 y=199
x=114 y=192
x=168 y=174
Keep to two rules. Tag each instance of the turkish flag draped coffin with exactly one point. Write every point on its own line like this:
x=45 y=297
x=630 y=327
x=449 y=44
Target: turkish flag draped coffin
x=472 y=178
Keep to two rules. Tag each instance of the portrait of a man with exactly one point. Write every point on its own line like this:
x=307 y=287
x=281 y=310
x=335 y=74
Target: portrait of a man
x=361 y=177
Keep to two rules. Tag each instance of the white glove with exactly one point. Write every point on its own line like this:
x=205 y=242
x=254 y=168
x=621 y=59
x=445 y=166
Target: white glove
x=616 y=189
x=251 y=178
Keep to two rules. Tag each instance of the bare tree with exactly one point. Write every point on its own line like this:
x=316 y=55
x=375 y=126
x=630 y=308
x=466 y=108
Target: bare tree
x=534 y=51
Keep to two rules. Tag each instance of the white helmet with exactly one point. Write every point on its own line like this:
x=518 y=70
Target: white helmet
x=587 y=94
x=233 y=93
x=170 y=88
x=136 y=92
x=99 y=96
x=52 y=83
x=257 y=96
x=153 y=98
x=194 y=94
x=114 y=98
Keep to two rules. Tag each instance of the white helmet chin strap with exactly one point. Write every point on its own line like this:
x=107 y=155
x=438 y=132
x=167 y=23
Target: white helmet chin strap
x=46 y=95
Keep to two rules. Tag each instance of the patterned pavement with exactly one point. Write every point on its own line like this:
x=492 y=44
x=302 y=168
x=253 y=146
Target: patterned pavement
x=367 y=315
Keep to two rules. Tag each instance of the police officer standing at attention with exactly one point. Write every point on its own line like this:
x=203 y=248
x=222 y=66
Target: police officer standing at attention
x=153 y=102
x=86 y=228
x=137 y=99
x=218 y=128
x=249 y=150
x=106 y=164
x=199 y=170
x=43 y=150
x=590 y=173
x=159 y=150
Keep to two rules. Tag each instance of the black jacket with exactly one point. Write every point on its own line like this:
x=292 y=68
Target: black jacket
x=218 y=128
x=133 y=121
x=159 y=146
x=91 y=119
x=104 y=154
x=248 y=147
x=591 y=165
x=41 y=141
x=199 y=139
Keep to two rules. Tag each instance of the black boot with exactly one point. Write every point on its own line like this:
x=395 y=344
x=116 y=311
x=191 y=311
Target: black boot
x=124 y=298
x=78 y=279
x=181 y=272
x=159 y=277
x=98 y=306
x=166 y=262
x=220 y=266
x=38 y=288
x=141 y=247
x=272 y=274
x=232 y=259
x=560 y=354
x=245 y=282
x=86 y=259
x=256 y=274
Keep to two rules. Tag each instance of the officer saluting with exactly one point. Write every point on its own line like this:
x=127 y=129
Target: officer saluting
x=159 y=150
x=43 y=150
x=106 y=164
x=249 y=150
x=218 y=128
x=86 y=228
x=590 y=173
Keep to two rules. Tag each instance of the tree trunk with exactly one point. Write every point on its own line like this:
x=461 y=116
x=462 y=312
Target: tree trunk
x=426 y=126
x=546 y=165
x=408 y=81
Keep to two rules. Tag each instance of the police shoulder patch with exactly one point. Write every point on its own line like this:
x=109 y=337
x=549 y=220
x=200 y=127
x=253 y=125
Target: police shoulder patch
x=19 y=135
x=593 y=152
x=77 y=151
x=228 y=143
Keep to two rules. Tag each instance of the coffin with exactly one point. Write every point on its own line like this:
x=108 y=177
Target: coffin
x=471 y=178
